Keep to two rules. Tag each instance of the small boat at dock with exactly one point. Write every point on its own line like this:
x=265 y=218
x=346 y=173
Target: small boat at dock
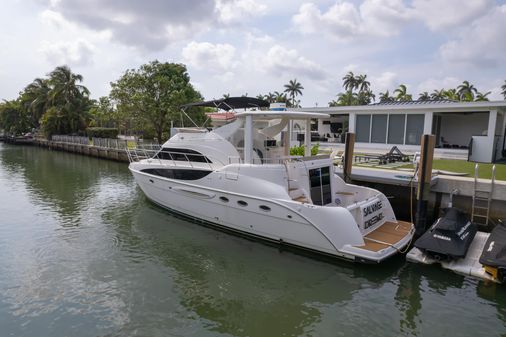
x=241 y=177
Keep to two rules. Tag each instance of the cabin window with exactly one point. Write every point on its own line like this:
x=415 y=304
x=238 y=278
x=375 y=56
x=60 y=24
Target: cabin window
x=320 y=185
x=182 y=155
x=396 y=129
x=414 y=129
x=363 y=128
x=265 y=208
x=242 y=203
x=224 y=199
x=181 y=174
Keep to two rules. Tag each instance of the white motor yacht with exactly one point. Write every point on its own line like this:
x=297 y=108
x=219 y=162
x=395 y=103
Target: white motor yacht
x=241 y=177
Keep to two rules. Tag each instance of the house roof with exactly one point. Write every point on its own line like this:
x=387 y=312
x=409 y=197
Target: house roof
x=412 y=106
x=417 y=102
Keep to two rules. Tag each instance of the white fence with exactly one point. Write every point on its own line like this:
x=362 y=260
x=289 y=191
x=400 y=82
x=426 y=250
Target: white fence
x=107 y=143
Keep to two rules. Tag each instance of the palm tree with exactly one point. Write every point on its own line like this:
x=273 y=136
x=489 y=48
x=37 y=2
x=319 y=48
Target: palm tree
x=466 y=91
x=293 y=88
x=401 y=93
x=69 y=97
x=346 y=99
x=270 y=97
x=225 y=96
x=35 y=99
x=438 y=94
x=349 y=81
x=452 y=94
x=365 y=97
x=424 y=96
x=362 y=83
x=64 y=86
x=503 y=87
x=385 y=97
x=482 y=97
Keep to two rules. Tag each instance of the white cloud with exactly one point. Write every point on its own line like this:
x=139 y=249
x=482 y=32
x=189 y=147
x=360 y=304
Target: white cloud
x=385 y=81
x=345 y=21
x=432 y=84
x=209 y=56
x=288 y=62
x=483 y=43
x=77 y=53
x=438 y=15
x=236 y=11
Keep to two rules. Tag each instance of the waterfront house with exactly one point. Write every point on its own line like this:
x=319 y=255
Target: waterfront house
x=462 y=129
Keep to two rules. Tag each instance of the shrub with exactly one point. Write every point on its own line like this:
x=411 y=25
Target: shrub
x=102 y=132
x=299 y=150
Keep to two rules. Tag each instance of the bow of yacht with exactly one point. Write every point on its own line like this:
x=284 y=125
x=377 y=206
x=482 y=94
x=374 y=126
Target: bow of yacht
x=241 y=177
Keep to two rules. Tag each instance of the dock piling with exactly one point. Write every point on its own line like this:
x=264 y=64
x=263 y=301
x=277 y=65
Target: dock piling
x=424 y=179
x=348 y=156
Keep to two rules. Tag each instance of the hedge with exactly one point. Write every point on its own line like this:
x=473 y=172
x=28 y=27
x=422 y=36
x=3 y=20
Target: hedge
x=102 y=132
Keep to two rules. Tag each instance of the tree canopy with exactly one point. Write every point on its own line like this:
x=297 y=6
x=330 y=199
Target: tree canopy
x=152 y=95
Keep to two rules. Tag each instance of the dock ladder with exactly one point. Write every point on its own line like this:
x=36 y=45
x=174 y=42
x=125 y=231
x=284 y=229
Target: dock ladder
x=482 y=199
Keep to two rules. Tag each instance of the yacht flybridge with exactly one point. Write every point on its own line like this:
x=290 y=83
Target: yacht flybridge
x=241 y=177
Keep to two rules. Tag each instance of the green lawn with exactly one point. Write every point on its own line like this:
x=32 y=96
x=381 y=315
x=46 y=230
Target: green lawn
x=461 y=166
x=484 y=170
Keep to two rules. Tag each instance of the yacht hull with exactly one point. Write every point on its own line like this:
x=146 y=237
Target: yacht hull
x=281 y=221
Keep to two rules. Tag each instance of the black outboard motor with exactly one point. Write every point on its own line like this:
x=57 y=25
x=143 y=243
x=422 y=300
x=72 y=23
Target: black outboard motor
x=449 y=237
x=493 y=257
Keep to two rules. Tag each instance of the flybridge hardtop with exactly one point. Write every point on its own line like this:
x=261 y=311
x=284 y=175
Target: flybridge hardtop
x=231 y=103
x=241 y=177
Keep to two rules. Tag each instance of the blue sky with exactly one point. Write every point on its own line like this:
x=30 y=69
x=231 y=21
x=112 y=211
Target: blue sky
x=256 y=46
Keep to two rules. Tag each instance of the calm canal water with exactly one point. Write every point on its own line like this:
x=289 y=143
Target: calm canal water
x=83 y=253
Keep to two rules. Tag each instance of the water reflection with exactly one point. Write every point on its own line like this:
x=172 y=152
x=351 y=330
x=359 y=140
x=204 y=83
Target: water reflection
x=90 y=256
x=62 y=181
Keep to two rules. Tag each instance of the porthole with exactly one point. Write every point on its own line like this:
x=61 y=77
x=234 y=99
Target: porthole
x=265 y=208
x=224 y=199
x=242 y=203
x=151 y=181
x=289 y=216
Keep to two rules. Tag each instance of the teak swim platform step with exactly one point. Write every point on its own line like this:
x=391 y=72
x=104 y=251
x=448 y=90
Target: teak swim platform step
x=386 y=235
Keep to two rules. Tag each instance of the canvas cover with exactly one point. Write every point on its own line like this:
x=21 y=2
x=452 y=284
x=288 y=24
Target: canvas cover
x=450 y=236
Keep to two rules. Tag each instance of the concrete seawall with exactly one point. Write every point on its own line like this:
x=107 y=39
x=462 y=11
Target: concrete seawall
x=88 y=150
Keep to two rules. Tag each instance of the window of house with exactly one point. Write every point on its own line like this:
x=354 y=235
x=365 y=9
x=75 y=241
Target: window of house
x=363 y=128
x=414 y=129
x=379 y=129
x=396 y=125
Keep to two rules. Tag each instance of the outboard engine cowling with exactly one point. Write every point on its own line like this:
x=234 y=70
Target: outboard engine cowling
x=449 y=237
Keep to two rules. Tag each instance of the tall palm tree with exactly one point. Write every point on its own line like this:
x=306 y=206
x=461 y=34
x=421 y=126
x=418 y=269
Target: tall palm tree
x=65 y=87
x=349 y=81
x=503 y=87
x=401 y=93
x=225 y=96
x=424 y=96
x=466 y=91
x=69 y=97
x=480 y=97
x=362 y=84
x=293 y=88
